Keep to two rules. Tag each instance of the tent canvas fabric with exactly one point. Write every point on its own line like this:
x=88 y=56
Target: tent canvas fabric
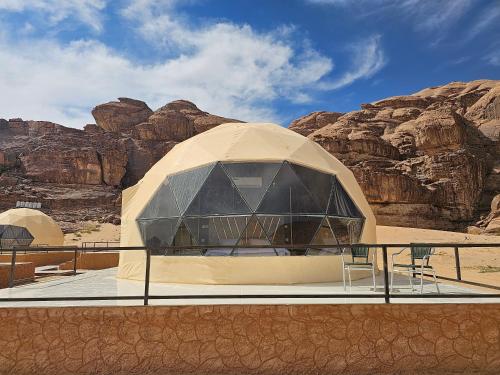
x=201 y=179
x=45 y=231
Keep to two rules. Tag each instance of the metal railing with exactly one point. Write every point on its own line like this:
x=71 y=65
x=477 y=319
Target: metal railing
x=387 y=295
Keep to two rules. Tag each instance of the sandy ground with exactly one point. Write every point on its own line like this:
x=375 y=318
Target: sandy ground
x=93 y=232
x=478 y=264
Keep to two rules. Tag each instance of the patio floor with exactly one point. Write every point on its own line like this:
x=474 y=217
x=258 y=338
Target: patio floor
x=104 y=283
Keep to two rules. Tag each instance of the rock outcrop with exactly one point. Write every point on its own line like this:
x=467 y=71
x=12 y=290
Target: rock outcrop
x=120 y=116
x=80 y=173
x=430 y=159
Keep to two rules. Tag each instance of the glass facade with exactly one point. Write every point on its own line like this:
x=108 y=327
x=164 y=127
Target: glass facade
x=12 y=236
x=228 y=204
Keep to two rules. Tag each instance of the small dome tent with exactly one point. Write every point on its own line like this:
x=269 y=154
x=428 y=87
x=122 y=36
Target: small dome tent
x=45 y=231
x=243 y=184
x=12 y=236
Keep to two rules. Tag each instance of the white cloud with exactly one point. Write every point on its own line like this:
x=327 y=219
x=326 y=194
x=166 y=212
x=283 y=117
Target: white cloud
x=225 y=68
x=56 y=11
x=487 y=18
x=368 y=58
x=61 y=83
x=426 y=15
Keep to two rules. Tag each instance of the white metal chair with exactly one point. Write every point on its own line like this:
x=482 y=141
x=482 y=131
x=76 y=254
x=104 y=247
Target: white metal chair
x=417 y=253
x=365 y=263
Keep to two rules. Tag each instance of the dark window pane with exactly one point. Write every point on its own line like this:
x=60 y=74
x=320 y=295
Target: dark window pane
x=163 y=204
x=183 y=237
x=218 y=230
x=158 y=232
x=341 y=204
x=324 y=235
x=290 y=230
x=252 y=179
x=255 y=235
x=218 y=195
x=287 y=194
x=14 y=236
x=319 y=184
x=277 y=228
x=304 y=228
x=347 y=231
x=185 y=185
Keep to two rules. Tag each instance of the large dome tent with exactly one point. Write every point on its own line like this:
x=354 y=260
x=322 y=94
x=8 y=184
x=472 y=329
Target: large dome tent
x=243 y=184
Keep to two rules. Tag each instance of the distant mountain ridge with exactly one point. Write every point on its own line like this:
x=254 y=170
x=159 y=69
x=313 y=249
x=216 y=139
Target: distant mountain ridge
x=431 y=159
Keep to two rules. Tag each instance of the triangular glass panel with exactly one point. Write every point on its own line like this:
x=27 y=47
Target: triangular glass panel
x=347 y=231
x=162 y=204
x=218 y=196
x=186 y=185
x=277 y=228
x=158 y=232
x=341 y=203
x=252 y=179
x=304 y=228
x=183 y=237
x=318 y=183
x=254 y=235
x=287 y=194
x=324 y=235
x=217 y=230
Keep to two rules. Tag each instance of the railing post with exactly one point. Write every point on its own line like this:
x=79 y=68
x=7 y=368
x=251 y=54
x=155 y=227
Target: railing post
x=457 y=264
x=387 y=296
x=12 y=275
x=74 y=261
x=146 y=278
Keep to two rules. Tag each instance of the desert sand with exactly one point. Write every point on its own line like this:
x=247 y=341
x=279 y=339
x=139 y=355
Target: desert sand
x=481 y=265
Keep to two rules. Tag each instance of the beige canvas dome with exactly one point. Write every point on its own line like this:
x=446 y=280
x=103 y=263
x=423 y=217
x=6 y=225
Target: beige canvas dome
x=257 y=142
x=196 y=174
x=42 y=227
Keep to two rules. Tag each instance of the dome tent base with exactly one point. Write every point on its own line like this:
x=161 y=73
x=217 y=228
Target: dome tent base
x=235 y=270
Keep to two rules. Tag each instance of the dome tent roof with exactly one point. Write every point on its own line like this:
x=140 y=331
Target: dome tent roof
x=238 y=142
x=41 y=226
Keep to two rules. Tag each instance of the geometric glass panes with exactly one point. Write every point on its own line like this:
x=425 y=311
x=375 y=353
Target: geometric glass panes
x=183 y=236
x=324 y=235
x=247 y=209
x=12 y=236
x=163 y=204
x=319 y=184
x=186 y=185
x=252 y=179
x=288 y=195
x=217 y=195
x=347 y=231
x=216 y=230
x=340 y=202
x=158 y=232
x=253 y=234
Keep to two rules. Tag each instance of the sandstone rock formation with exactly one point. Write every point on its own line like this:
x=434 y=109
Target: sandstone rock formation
x=79 y=173
x=121 y=115
x=431 y=159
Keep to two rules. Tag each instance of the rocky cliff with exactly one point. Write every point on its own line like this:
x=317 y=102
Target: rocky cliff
x=79 y=174
x=430 y=159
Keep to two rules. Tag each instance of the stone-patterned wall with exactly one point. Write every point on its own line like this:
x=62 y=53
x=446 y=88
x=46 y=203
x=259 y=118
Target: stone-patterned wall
x=260 y=339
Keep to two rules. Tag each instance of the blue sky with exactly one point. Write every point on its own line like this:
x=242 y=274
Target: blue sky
x=255 y=60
